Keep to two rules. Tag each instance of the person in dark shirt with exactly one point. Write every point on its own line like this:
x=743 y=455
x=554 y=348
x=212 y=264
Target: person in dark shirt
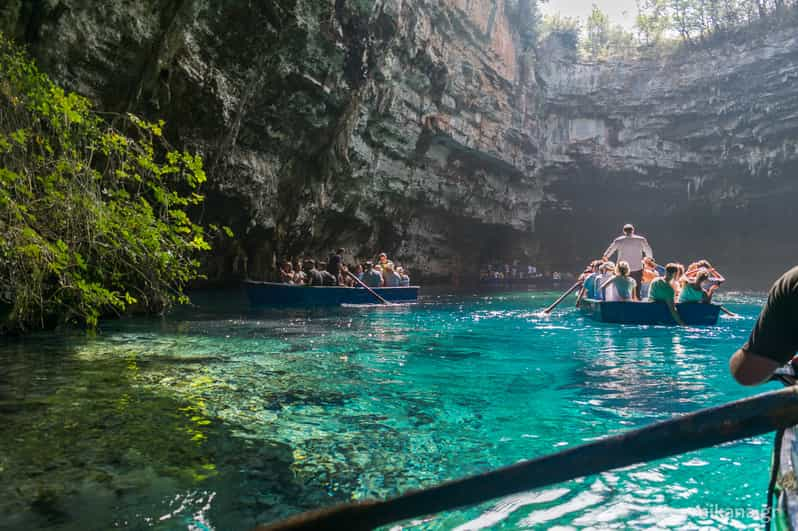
x=312 y=274
x=774 y=339
x=327 y=278
x=334 y=265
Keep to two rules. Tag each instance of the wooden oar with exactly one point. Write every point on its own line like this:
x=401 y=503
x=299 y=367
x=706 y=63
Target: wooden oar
x=707 y=427
x=562 y=297
x=363 y=285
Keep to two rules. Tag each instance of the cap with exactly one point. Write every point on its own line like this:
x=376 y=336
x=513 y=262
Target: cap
x=628 y=226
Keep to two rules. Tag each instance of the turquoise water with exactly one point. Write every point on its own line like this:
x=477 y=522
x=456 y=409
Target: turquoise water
x=218 y=417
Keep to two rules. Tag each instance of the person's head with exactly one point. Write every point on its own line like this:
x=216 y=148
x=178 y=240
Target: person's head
x=383 y=258
x=378 y=267
x=595 y=265
x=628 y=229
x=307 y=265
x=622 y=269
x=321 y=265
x=704 y=263
x=671 y=270
x=702 y=276
x=649 y=262
x=358 y=269
x=339 y=251
x=387 y=269
x=288 y=267
x=400 y=270
x=369 y=266
x=607 y=267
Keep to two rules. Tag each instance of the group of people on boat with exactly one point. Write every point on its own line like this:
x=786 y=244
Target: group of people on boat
x=637 y=277
x=334 y=272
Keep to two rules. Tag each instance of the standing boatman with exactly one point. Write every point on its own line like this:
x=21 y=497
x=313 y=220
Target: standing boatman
x=631 y=248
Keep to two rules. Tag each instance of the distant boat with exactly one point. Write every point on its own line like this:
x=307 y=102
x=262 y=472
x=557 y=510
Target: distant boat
x=650 y=313
x=275 y=294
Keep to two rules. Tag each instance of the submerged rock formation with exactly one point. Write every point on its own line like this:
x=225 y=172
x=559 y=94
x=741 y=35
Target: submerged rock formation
x=434 y=129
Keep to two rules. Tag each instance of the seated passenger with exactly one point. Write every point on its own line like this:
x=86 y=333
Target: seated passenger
x=678 y=281
x=715 y=278
x=346 y=279
x=359 y=271
x=299 y=275
x=287 y=273
x=661 y=290
x=405 y=277
x=392 y=278
x=327 y=278
x=589 y=280
x=606 y=272
x=651 y=270
x=693 y=292
x=372 y=276
x=624 y=285
x=312 y=274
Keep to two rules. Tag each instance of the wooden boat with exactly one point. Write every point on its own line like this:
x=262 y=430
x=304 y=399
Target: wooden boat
x=649 y=313
x=274 y=294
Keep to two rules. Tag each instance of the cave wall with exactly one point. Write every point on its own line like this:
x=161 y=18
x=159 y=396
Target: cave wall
x=430 y=130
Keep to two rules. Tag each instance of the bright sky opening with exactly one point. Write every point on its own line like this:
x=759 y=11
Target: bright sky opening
x=621 y=12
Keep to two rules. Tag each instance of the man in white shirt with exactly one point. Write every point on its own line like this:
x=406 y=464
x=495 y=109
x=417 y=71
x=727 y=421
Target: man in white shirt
x=631 y=248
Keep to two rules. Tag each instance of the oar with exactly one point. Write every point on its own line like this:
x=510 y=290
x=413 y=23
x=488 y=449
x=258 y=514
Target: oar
x=707 y=427
x=362 y=285
x=729 y=312
x=562 y=297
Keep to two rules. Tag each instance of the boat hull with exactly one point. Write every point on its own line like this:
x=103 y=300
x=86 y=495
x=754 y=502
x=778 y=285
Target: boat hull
x=650 y=313
x=274 y=294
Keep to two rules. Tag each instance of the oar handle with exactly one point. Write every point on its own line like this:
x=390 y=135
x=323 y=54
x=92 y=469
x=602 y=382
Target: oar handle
x=562 y=297
x=707 y=427
x=363 y=285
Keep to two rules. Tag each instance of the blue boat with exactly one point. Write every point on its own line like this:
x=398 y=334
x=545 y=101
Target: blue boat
x=274 y=294
x=650 y=313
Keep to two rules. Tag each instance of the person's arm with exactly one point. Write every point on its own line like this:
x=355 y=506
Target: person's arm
x=647 y=249
x=610 y=250
x=674 y=313
x=717 y=277
x=774 y=339
x=751 y=369
x=581 y=295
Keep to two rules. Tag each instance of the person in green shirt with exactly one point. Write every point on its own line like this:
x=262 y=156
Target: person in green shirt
x=693 y=290
x=661 y=290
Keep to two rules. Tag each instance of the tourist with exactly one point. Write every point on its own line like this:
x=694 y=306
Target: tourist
x=312 y=274
x=693 y=290
x=359 y=272
x=404 y=275
x=346 y=278
x=391 y=278
x=299 y=276
x=679 y=281
x=774 y=339
x=287 y=273
x=327 y=278
x=623 y=283
x=383 y=261
x=715 y=278
x=651 y=271
x=334 y=264
x=372 y=277
x=589 y=281
x=661 y=290
x=631 y=249
x=606 y=272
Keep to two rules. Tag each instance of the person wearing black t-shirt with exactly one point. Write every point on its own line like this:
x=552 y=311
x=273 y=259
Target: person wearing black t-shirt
x=335 y=263
x=774 y=340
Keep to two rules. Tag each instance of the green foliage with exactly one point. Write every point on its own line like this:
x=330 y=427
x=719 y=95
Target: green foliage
x=567 y=29
x=93 y=217
x=597 y=34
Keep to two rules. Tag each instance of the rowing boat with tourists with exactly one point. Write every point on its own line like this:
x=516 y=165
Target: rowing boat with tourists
x=333 y=283
x=638 y=290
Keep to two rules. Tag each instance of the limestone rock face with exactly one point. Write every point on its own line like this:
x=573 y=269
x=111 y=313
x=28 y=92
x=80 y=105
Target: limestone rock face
x=432 y=130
